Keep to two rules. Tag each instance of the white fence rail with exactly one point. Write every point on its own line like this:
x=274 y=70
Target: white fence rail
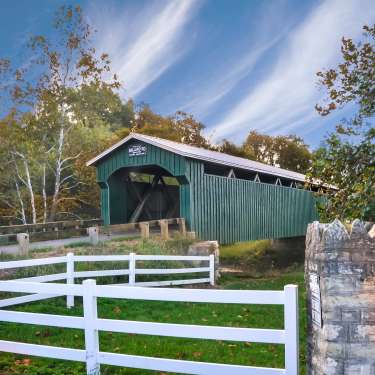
x=132 y=271
x=92 y=324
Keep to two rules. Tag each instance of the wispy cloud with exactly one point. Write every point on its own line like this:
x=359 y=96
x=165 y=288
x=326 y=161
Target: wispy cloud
x=284 y=100
x=143 y=44
x=269 y=29
x=207 y=96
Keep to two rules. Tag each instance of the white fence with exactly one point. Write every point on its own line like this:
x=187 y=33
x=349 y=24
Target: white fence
x=132 y=271
x=92 y=324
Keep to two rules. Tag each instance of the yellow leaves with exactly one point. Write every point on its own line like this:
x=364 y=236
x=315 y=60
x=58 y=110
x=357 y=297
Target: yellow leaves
x=45 y=333
x=117 y=310
x=23 y=362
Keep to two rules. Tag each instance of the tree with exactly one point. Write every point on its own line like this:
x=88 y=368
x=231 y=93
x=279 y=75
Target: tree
x=230 y=148
x=181 y=127
x=49 y=111
x=288 y=152
x=347 y=157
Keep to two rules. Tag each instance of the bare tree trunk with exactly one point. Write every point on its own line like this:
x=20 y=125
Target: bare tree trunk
x=30 y=188
x=44 y=193
x=23 y=215
x=55 y=198
x=26 y=182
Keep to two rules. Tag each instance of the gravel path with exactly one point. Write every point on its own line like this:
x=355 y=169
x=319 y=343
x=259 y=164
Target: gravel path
x=13 y=249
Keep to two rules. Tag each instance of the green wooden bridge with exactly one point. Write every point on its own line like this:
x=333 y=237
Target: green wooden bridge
x=221 y=197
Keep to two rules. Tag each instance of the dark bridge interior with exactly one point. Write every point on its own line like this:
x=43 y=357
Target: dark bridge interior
x=146 y=193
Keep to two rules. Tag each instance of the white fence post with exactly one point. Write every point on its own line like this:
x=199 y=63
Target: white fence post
x=90 y=314
x=291 y=329
x=131 y=269
x=212 y=269
x=70 y=277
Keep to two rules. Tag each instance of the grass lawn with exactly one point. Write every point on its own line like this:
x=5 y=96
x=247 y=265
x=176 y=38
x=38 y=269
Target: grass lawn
x=260 y=266
x=168 y=312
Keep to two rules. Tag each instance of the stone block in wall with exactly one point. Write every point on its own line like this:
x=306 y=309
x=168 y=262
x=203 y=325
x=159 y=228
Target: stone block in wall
x=343 y=262
x=206 y=248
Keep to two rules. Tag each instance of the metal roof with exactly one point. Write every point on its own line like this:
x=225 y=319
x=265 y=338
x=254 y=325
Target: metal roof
x=194 y=152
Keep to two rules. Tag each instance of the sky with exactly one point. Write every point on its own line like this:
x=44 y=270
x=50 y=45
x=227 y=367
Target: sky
x=236 y=65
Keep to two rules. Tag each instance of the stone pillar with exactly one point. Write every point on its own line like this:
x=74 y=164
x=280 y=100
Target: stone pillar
x=93 y=233
x=206 y=248
x=145 y=230
x=182 y=226
x=164 y=233
x=23 y=243
x=340 y=281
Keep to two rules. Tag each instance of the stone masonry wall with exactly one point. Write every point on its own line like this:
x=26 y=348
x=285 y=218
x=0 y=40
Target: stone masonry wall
x=344 y=265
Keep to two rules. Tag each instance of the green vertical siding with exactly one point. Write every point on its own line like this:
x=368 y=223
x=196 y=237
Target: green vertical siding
x=233 y=210
x=120 y=158
x=104 y=202
x=117 y=199
x=185 y=209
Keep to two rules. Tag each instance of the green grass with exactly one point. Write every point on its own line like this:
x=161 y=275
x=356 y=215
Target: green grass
x=256 y=258
x=262 y=257
x=167 y=347
x=243 y=249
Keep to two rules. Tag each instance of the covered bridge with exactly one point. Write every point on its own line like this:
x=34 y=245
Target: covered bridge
x=221 y=196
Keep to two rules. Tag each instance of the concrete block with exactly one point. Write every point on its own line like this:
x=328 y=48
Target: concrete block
x=351 y=315
x=145 y=230
x=335 y=332
x=93 y=233
x=362 y=333
x=164 y=230
x=206 y=248
x=23 y=243
x=191 y=235
x=182 y=226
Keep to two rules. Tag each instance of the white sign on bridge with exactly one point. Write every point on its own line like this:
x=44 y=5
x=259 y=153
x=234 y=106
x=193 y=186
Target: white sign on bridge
x=137 y=150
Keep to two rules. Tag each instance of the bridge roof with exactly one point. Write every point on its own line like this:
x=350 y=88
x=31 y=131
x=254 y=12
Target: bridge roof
x=199 y=153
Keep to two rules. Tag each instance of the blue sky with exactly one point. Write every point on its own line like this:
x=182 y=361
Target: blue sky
x=237 y=65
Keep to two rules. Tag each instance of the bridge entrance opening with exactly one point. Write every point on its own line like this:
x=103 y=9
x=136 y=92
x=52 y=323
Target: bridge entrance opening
x=142 y=194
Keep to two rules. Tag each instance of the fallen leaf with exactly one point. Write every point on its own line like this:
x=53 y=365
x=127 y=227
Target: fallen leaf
x=26 y=361
x=46 y=333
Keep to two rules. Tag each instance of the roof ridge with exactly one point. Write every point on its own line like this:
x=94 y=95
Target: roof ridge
x=216 y=152
x=187 y=150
